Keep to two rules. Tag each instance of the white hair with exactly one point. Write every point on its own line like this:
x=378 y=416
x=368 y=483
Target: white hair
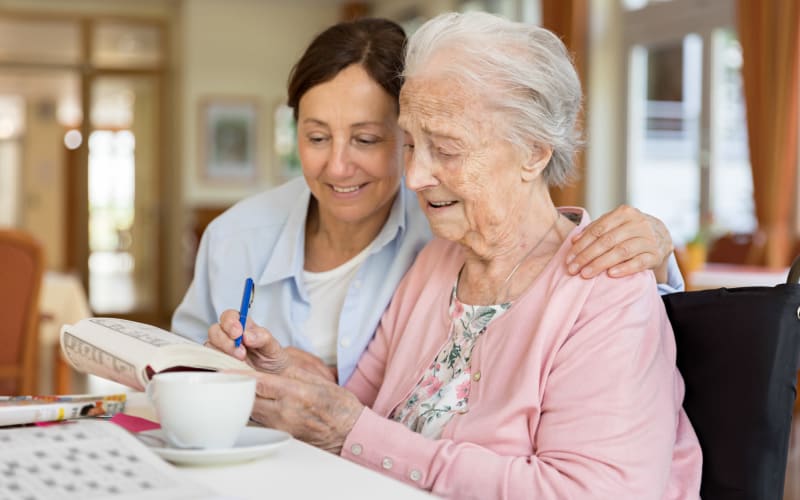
x=522 y=71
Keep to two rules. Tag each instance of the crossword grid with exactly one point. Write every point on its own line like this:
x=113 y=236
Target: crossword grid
x=75 y=462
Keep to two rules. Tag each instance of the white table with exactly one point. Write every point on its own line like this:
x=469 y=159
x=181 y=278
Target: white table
x=730 y=275
x=296 y=470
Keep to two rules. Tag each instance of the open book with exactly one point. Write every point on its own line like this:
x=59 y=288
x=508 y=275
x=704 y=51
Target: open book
x=131 y=353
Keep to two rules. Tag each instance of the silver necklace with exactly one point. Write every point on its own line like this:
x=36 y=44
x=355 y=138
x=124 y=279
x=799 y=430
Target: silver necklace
x=504 y=286
x=519 y=263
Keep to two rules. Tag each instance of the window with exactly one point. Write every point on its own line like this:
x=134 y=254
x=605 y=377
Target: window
x=528 y=11
x=687 y=156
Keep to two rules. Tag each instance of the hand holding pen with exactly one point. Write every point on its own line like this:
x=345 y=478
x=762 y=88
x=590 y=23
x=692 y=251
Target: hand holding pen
x=259 y=349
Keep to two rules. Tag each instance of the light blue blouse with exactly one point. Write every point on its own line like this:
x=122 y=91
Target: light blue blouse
x=263 y=237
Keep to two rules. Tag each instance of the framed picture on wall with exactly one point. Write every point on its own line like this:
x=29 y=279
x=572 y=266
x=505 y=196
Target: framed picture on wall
x=228 y=139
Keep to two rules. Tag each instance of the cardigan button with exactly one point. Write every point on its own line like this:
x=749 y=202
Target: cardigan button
x=356 y=449
x=415 y=475
x=476 y=376
x=387 y=463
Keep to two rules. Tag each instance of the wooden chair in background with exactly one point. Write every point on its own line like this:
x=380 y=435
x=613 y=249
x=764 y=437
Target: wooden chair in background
x=21 y=269
x=738 y=248
x=200 y=218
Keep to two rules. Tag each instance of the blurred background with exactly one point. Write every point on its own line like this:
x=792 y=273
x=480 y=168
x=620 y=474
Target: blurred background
x=127 y=125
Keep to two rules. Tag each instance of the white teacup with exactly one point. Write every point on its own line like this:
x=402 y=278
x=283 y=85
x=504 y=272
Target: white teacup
x=205 y=410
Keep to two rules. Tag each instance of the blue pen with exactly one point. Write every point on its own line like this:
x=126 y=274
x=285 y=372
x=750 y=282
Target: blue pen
x=247 y=301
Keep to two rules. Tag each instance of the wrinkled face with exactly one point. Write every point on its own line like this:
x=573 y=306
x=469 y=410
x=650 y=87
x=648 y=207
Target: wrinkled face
x=469 y=180
x=350 y=146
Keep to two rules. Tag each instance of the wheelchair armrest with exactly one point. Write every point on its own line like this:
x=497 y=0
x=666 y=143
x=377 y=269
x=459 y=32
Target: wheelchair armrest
x=794 y=271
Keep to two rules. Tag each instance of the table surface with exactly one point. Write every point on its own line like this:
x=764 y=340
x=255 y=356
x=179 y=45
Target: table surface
x=295 y=470
x=714 y=275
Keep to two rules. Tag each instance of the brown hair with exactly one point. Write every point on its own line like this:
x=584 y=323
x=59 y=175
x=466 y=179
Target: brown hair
x=376 y=44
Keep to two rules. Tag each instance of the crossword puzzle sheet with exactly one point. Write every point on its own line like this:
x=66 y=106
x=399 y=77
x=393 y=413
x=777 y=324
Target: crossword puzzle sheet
x=84 y=460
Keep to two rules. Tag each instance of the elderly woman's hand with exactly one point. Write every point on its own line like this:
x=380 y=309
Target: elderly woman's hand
x=260 y=349
x=623 y=241
x=308 y=407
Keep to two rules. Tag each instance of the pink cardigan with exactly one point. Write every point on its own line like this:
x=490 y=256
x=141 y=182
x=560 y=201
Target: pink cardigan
x=575 y=392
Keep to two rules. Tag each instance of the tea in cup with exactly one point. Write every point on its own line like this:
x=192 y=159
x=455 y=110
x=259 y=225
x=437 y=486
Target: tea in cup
x=205 y=410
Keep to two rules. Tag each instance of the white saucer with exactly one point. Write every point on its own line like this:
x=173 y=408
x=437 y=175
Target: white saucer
x=253 y=442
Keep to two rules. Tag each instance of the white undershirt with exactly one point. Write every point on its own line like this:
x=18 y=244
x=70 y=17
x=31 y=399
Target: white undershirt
x=326 y=292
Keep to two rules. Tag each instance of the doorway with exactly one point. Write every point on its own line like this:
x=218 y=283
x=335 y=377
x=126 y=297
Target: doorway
x=85 y=151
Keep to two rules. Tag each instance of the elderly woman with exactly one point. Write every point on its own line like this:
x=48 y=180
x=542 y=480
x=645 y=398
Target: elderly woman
x=328 y=250
x=494 y=372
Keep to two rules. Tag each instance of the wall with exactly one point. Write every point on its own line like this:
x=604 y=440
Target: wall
x=43 y=178
x=149 y=8
x=605 y=173
x=9 y=182
x=240 y=48
x=401 y=10
x=144 y=237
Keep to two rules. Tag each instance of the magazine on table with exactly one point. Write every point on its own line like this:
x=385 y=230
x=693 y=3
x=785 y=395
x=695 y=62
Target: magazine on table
x=19 y=410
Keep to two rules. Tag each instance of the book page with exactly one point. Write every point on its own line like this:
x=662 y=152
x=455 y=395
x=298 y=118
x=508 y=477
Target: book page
x=84 y=460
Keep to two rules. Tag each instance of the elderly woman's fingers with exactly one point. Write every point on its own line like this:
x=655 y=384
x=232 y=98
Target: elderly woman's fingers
x=221 y=340
x=229 y=321
x=267 y=413
x=261 y=348
x=309 y=408
x=264 y=351
x=663 y=238
x=311 y=364
x=271 y=386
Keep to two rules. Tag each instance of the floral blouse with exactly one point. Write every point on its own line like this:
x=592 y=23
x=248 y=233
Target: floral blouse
x=444 y=388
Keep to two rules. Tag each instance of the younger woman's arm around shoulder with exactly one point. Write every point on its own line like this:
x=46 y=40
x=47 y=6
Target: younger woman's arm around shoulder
x=626 y=241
